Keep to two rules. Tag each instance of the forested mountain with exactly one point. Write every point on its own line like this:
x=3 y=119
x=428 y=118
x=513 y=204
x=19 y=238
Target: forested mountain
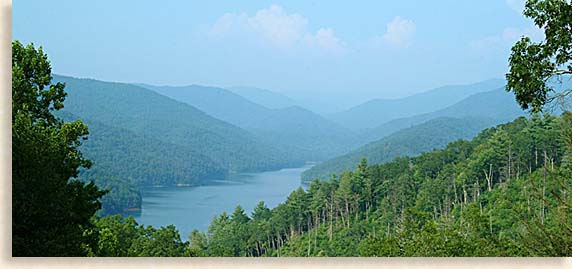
x=143 y=160
x=434 y=134
x=376 y=112
x=155 y=116
x=496 y=104
x=123 y=161
x=502 y=194
x=140 y=138
x=313 y=137
x=263 y=97
x=216 y=102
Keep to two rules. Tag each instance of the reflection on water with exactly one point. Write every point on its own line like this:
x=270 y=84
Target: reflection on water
x=191 y=208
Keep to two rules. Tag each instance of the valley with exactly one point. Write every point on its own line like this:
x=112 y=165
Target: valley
x=289 y=129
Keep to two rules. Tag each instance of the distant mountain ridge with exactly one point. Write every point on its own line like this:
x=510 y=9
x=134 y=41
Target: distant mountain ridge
x=309 y=135
x=266 y=98
x=155 y=116
x=496 y=104
x=410 y=142
x=412 y=135
x=378 y=111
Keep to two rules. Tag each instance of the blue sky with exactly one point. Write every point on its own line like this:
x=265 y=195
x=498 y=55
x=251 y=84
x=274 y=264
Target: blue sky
x=351 y=49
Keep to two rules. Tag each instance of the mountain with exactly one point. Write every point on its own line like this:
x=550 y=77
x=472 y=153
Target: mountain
x=117 y=152
x=496 y=104
x=305 y=134
x=378 y=111
x=412 y=141
x=124 y=160
x=263 y=97
x=216 y=102
x=154 y=116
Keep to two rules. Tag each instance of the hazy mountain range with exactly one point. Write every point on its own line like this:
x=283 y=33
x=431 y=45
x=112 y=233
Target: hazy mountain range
x=164 y=135
x=378 y=111
x=314 y=137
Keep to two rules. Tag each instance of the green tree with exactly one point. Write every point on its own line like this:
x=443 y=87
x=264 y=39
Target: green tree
x=198 y=244
x=533 y=64
x=50 y=211
x=116 y=235
x=162 y=242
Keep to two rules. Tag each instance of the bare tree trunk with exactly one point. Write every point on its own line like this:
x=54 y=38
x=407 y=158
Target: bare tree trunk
x=509 y=162
x=455 y=189
x=543 y=190
x=491 y=223
x=331 y=220
x=309 y=243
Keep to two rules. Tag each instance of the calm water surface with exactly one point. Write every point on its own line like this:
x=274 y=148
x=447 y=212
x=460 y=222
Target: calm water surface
x=191 y=208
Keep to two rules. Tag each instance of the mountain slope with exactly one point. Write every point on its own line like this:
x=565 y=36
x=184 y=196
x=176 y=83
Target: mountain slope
x=123 y=161
x=157 y=117
x=495 y=104
x=307 y=135
x=116 y=152
x=216 y=102
x=263 y=97
x=376 y=112
x=412 y=141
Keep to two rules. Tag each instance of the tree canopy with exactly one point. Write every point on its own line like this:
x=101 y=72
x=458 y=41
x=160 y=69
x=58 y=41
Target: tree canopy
x=51 y=210
x=533 y=65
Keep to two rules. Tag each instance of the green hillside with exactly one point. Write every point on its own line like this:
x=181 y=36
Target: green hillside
x=312 y=136
x=496 y=104
x=379 y=111
x=412 y=141
x=123 y=161
x=491 y=196
x=157 y=117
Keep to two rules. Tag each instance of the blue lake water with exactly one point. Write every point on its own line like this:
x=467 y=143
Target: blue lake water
x=191 y=208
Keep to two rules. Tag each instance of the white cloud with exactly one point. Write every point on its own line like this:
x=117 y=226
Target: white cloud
x=325 y=38
x=276 y=27
x=399 y=32
x=226 y=24
x=507 y=38
x=516 y=5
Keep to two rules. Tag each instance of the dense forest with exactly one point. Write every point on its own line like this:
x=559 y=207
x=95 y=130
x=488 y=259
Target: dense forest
x=310 y=136
x=434 y=134
x=505 y=192
x=496 y=104
x=151 y=115
x=140 y=138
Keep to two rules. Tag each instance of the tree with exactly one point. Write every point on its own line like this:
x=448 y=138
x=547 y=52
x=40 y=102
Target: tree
x=198 y=244
x=532 y=64
x=162 y=242
x=532 y=67
x=50 y=211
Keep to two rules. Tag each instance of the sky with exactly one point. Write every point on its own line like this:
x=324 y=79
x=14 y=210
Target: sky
x=349 y=50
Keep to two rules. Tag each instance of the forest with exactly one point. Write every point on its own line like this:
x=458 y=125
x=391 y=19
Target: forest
x=442 y=188
x=504 y=193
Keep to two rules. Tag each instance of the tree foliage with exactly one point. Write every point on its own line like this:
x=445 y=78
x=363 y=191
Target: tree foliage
x=501 y=194
x=51 y=210
x=534 y=64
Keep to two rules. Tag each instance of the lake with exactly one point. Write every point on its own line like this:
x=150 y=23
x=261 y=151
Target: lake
x=191 y=208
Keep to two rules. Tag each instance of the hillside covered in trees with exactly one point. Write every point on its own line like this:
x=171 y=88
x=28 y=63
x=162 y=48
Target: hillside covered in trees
x=155 y=116
x=310 y=136
x=434 y=134
x=82 y=146
x=504 y=193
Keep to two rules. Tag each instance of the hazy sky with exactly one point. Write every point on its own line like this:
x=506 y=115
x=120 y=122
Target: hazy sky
x=359 y=48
